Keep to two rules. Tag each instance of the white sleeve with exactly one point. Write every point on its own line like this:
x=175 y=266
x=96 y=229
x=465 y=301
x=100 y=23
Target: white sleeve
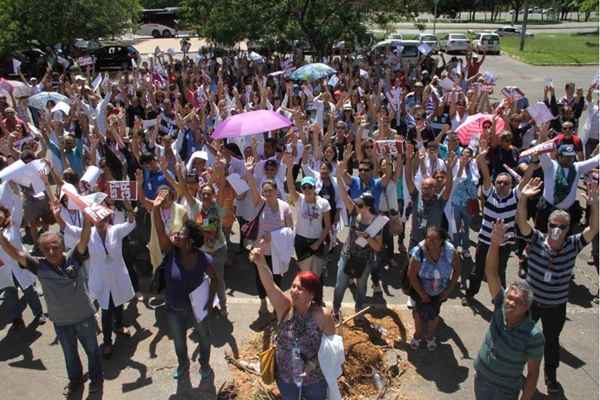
x=124 y=229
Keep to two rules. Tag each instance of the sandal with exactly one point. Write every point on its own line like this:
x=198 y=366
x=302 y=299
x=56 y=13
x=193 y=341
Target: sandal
x=415 y=343
x=431 y=344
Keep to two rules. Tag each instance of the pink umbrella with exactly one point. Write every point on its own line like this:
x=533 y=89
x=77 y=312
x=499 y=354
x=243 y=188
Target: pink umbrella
x=250 y=123
x=473 y=126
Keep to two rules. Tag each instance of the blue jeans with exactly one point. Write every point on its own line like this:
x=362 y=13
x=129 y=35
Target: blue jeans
x=487 y=390
x=85 y=332
x=289 y=391
x=179 y=320
x=341 y=284
x=11 y=300
x=462 y=218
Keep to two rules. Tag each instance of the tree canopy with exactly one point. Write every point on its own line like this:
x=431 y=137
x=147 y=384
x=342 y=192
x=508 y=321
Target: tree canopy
x=319 y=23
x=43 y=23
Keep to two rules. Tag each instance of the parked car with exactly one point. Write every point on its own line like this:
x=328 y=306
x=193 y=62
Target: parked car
x=33 y=63
x=431 y=40
x=486 y=42
x=511 y=31
x=455 y=43
x=115 y=56
x=156 y=30
x=410 y=49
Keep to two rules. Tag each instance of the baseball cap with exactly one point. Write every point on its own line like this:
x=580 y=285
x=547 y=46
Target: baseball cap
x=308 y=180
x=567 y=150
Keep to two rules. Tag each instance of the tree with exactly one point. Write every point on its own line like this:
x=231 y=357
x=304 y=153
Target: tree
x=317 y=22
x=160 y=3
x=42 y=23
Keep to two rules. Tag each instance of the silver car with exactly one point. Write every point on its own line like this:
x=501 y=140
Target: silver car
x=456 y=43
x=431 y=40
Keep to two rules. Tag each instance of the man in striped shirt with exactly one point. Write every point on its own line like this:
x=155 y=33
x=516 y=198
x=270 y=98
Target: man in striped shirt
x=512 y=339
x=550 y=263
x=500 y=204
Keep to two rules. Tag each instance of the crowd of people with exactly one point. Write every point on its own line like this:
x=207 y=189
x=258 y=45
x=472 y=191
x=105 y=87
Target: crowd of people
x=382 y=150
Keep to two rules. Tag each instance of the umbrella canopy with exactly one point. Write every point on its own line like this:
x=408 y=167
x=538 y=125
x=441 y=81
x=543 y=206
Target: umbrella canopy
x=312 y=72
x=20 y=89
x=473 y=126
x=40 y=100
x=250 y=123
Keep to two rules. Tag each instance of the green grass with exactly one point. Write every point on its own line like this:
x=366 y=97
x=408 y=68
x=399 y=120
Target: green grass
x=554 y=49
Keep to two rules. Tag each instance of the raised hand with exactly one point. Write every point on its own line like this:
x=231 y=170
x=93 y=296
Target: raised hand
x=532 y=187
x=498 y=232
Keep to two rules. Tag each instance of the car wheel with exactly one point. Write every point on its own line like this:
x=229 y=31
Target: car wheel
x=156 y=33
x=167 y=33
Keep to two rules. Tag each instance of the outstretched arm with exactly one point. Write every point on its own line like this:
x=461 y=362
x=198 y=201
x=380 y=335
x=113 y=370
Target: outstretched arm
x=281 y=302
x=532 y=188
x=492 y=257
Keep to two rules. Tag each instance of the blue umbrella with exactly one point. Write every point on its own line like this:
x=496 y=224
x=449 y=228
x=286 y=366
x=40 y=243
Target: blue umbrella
x=312 y=72
x=40 y=100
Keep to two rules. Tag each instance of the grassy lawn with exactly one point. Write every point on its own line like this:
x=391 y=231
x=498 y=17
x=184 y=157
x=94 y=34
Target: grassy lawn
x=554 y=48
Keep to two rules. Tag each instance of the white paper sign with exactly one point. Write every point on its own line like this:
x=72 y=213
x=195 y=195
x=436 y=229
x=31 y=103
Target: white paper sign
x=97 y=82
x=238 y=184
x=61 y=106
x=85 y=61
x=424 y=48
x=199 y=299
x=16 y=65
x=489 y=78
x=540 y=113
x=333 y=81
x=91 y=175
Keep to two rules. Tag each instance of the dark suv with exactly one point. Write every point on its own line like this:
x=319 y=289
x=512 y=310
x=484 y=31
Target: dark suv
x=115 y=56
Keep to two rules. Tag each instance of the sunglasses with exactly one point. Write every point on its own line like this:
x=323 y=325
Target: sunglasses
x=307 y=187
x=562 y=227
x=364 y=170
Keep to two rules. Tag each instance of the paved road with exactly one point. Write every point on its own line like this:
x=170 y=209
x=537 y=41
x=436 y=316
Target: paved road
x=143 y=367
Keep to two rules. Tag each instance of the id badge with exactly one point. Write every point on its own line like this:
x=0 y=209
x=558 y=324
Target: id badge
x=547 y=276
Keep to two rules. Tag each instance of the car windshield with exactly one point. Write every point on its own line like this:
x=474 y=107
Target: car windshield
x=428 y=38
x=458 y=37
x=490 y=38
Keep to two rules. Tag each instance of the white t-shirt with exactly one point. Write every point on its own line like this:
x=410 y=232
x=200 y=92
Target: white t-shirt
x=310 y=217
x=389 y=199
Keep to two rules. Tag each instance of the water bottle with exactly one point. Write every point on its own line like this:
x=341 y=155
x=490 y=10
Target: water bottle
x=297 y=365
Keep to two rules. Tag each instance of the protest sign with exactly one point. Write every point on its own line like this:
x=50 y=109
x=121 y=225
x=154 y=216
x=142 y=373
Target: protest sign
x=122 y=190
x=94 y=212
x=389 y=146
x=85 y=61
x=545 y=147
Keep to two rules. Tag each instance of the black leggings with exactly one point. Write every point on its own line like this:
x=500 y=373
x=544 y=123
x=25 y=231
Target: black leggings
x=276 y=278
x=113 y=313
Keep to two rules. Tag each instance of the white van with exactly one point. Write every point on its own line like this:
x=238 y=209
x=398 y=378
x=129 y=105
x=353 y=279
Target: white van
x=410 y=49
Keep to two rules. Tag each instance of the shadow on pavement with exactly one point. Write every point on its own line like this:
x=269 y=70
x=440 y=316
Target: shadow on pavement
x=580 y=295
x=185 y=390
x=17 y=343
x=126 y=348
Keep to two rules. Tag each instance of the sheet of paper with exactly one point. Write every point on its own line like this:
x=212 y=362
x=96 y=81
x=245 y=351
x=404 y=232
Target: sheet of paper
x=199 y=298
x=97 y=82
x=91 y=175
x=61 y=106
x=238 y=184
x=377 y=225
x=16 y=65
x=424 y=48
x=540 y=113
x=361 y=241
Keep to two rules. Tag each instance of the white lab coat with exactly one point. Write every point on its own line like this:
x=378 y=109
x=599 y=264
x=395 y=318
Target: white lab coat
x=14 y=203
x=108 y=274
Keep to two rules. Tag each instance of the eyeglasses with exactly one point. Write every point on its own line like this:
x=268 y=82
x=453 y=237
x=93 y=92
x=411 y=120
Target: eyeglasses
x=562 y=227
x=502 y=183
x=307 y=187
x=364 y=170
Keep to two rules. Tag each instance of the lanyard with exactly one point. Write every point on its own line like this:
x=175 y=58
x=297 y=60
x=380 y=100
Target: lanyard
x=103 y=240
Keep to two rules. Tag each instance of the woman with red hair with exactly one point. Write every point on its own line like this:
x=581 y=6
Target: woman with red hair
x=302 y=320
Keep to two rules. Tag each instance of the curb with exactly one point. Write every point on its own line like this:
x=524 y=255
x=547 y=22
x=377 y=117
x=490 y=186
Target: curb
x=517 y=58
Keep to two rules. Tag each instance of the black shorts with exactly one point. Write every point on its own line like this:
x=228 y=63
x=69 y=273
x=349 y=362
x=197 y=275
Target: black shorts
x=427 y=311
x=302 y=247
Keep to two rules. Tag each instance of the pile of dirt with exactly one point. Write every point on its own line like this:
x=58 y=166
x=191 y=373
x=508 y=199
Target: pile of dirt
x=372 y=362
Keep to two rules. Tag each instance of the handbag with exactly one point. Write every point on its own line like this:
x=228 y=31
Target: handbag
x=267 y=365
x=250 y=230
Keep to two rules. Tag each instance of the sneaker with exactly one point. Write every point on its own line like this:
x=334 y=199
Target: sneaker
x=206 y=373
x=415 y=343
x=553 y=386
x=17 y=324
x=410 y=303
x=376 y=289
x=41 y=319
x=72 y=388
x=96 y=387
x=466 y=301
x=431 y=344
